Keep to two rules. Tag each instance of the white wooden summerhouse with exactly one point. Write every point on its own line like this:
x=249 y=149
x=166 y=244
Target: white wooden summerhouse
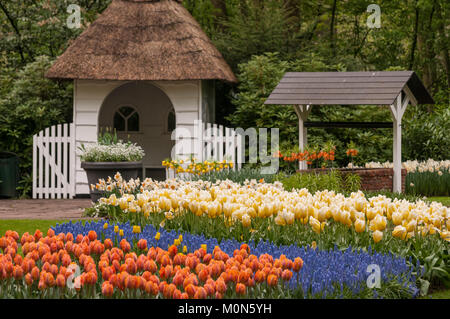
x=142 y=68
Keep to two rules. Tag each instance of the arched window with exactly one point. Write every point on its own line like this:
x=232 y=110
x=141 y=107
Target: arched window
x=171 y=121
x=126 y=119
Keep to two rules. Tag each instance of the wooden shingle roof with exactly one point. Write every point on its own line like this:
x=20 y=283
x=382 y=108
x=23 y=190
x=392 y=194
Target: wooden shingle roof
x=347 y=88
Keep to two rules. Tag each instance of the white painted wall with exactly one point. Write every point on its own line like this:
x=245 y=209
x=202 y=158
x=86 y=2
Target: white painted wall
x=89 y=96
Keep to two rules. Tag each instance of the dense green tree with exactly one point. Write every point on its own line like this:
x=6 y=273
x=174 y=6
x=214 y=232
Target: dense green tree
x=260 y=39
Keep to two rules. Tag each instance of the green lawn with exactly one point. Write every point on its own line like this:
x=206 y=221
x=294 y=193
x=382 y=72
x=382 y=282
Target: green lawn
x=27 y=225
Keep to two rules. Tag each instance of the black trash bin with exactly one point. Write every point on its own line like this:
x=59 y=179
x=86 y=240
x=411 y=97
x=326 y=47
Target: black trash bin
x=9 y=174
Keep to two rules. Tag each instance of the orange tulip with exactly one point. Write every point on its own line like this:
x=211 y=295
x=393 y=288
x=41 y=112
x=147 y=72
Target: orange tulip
x=142 y=244
x=190 y=290
x=286 y=275
x=272 y=280
x=200 y=293
x=92 y=235
x=203 y=275
x=240 y=289
x=29 y=279
x=221 y=286
x=18 y=272
x=177 y=294
x=108 y=243
x=60 y=281
x=50 y=233
x=298 y=264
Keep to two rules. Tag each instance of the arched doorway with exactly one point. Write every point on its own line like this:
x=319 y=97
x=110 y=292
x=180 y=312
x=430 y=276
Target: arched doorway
x=143 y=114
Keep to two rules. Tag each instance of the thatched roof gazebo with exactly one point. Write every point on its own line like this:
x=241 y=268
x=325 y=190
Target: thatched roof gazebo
x=144 y=67
x=394 y=88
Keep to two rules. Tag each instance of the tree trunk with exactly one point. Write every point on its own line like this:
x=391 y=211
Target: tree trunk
x=414 y=39
x=443 y=41
x=332 y=31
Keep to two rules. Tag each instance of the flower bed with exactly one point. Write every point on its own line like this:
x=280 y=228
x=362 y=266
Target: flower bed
x=82 y=266
x=123 y=261
x=259 y=211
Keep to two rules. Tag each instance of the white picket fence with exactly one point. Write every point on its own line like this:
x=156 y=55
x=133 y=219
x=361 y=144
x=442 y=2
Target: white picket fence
x=212 y=142
x=54 y=162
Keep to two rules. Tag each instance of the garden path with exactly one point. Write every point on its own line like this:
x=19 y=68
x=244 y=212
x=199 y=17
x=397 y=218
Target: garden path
x=49 y=209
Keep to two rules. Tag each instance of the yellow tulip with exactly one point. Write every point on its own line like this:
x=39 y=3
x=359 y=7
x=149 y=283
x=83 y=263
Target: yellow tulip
x=136 y=229
x=360 y=225
x=397 y=218
x=105 y=225
x=251 y=212
x=279 y=220
x=246 y=220
x=377 y=236
x=445 y=235
x=158 y=236
x=193 y=207
x=315 y=224
x=371 y=213
x=322 y=214
x=300 y=211
x=399 y=232
x=411 y=226
x=380 y=222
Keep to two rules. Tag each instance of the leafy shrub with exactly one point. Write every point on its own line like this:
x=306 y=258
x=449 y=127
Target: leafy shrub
x=32 y=104
x=425 y=134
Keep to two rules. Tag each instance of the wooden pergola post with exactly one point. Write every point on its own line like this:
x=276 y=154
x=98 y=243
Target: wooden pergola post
x=302 y=113
x=397 y=110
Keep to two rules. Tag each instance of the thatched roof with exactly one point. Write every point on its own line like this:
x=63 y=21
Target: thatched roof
x=143 y=40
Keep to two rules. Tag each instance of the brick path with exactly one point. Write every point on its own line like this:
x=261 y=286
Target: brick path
x=43 y=208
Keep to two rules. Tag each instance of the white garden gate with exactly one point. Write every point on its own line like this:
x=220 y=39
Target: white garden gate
x=54 y=162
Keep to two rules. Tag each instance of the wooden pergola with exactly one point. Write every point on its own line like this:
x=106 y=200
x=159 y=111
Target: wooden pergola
x=394 y=88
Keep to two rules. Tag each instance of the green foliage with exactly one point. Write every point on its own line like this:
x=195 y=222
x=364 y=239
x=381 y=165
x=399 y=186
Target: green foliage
x=428 y=183
x=255 y=27
x=352 y=182
x=236 y=176
x=426 y=135
x=32 y=35
x=314 y=182
x=32 y=104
